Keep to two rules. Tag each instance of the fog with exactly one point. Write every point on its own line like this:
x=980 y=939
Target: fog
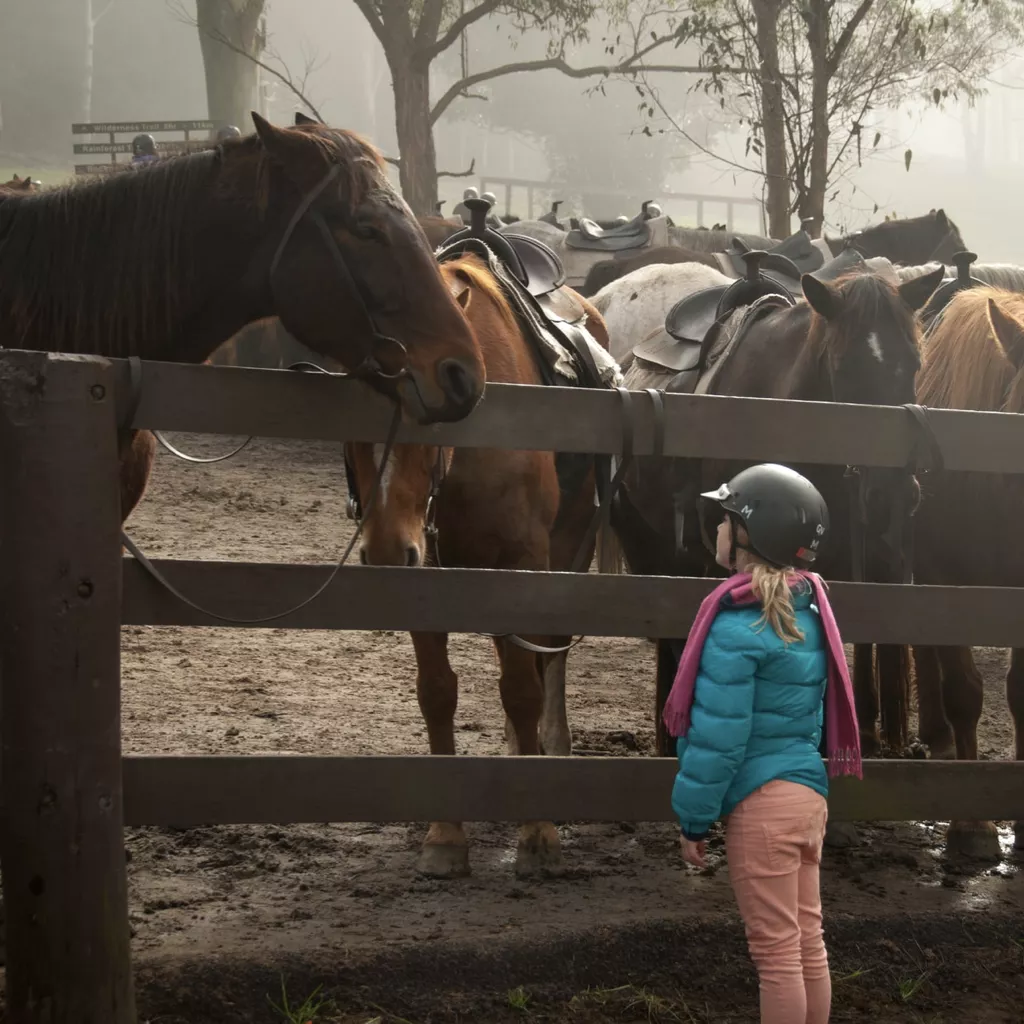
x=147 y=65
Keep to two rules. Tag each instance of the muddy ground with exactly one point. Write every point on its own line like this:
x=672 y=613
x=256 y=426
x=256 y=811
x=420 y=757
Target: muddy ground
x=221 y=915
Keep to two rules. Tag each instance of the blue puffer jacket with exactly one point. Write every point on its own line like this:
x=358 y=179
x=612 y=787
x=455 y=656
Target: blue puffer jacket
x=757 y=714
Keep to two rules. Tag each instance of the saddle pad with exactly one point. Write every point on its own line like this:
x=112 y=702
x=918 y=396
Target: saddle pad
x=666 y=351
x=733 y=329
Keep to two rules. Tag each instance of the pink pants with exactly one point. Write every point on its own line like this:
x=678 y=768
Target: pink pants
x=773 y=845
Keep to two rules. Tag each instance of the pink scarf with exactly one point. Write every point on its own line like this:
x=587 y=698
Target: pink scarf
x=841 y=730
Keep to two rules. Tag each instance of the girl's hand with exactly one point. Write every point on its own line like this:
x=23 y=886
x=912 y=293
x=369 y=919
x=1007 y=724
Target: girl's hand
x=694 y=853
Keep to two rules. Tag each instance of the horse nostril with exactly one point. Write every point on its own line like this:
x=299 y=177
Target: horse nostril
x=412 y=556
x=458 y=382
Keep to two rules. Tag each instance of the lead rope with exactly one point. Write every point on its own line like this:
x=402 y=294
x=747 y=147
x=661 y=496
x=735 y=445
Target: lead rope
x=160 y=578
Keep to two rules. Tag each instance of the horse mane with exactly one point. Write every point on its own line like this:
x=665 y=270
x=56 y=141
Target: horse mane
x=863 y=297
x=104 y=265
x=473 y=268
x=964 y=366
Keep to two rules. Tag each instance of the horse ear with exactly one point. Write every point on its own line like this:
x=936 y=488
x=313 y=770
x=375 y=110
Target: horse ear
x=463 y=298
x=917 y=292
x=822 y=297
x=1009 y=333
x=301 y=119
x=287 y=147
x=942 y=220
x=460 y=287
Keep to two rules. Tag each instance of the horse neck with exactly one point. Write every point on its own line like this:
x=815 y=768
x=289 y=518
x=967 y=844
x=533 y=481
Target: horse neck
x=177 y=301
x=782 y=342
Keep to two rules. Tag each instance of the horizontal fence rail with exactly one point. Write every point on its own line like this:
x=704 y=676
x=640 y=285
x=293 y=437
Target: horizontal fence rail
x=276 y=403
x=505 y=600
x=190 y=791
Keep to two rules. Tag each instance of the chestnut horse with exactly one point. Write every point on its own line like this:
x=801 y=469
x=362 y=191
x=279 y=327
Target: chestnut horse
x=494 y=510
x=968 y=527
x=299 y=222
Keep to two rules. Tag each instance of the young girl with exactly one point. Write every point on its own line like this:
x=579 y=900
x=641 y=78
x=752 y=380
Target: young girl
x=762 y=671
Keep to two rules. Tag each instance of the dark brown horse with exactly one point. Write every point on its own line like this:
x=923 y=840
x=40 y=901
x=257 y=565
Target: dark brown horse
x=494 y=510
x=853 y=340
x=968 y=528
x=300 y=223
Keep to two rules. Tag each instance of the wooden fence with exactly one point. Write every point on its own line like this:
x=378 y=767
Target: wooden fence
x=65 y=591
x=538 y=195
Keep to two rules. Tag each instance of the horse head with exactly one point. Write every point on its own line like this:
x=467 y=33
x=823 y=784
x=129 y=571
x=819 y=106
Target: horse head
x=867 y=338
x=349 y=270
x=395 y=493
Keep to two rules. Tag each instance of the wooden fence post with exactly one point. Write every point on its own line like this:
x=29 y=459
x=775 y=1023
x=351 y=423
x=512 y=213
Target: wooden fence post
x=62 y=844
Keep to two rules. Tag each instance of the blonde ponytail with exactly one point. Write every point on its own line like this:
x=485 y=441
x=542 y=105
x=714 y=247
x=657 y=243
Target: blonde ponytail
x=772 y=588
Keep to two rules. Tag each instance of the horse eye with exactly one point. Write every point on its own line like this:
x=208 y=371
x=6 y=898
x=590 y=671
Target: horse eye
x=368 y=231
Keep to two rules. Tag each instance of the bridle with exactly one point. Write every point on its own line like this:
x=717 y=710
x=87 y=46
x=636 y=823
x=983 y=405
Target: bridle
x=371 y=338
x=369 y=367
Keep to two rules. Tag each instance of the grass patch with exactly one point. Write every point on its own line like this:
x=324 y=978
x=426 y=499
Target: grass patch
x=312 y=1010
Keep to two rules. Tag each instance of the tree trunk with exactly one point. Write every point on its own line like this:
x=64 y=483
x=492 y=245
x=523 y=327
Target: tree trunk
x=812 y=201
x=418 y=168
x=231 y=78
x=773 y=117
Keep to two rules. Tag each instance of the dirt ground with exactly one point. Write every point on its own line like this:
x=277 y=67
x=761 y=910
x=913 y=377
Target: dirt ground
x=222 y=915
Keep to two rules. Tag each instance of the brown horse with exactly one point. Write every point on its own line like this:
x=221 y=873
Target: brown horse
x=852 y=340
x=439 y=229
x=494 y=510
x=16 y=184
x=300 y=223
x=968 y=527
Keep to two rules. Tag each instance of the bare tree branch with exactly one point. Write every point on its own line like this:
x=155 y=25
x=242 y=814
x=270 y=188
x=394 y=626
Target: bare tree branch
x=842 y=44
x=468 y=172
x=626 y=67
x=459 y=26
x=284 y=76
x=370 y=13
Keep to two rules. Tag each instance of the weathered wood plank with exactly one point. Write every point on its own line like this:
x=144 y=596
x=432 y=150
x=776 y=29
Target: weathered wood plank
x=235 y=790
x=276 y=403
x=64 y=884
x=494 y=601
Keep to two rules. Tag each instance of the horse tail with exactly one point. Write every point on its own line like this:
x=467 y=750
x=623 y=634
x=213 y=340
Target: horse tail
x=609 y=551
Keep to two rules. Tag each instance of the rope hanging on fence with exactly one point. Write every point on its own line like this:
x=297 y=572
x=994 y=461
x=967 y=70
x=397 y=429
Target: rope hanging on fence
x=160 y=578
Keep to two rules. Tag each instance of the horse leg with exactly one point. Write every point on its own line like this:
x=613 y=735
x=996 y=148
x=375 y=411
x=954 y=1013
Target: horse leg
x=665 y=675
x=865 y=694
x=933 y=727
x=445 y=853
x=1015 y=698
x=892 y=665
x=963 y=695
x=539 y=850
x=555 y=735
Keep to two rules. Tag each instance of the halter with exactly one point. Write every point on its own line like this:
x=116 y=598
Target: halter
x=369 y=366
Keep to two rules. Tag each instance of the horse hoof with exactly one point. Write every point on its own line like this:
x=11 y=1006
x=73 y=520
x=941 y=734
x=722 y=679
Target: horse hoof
x=443 y=860
x=539 y=854
x=973 y=840
x=841 y=835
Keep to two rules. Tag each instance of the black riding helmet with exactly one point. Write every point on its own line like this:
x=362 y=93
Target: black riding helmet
x=785 y=517
x=229 y=131
x=143 y=145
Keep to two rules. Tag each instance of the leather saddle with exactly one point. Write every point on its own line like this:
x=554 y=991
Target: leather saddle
x=551 y=217
x=634 y=234
x=692 y=325
x=799 y=249
x=533 y=264
x=942 y=295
